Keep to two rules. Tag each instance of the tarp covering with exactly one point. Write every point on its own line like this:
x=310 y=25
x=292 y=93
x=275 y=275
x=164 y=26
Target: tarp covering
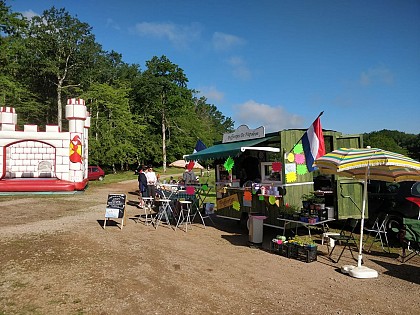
x=224 y=149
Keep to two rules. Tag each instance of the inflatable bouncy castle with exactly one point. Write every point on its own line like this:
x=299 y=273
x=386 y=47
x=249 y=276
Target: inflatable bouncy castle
x=51 y=160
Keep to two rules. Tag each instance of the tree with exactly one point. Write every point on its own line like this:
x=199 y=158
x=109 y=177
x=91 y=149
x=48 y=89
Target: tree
x=413 y=145
x=134 y=114
x=112 y=129
x=12 y=28
x=393 y=140
x=214 y=123
x=165 y=94
x=60 y=47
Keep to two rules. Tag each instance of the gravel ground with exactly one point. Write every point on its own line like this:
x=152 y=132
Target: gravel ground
x=57 y=259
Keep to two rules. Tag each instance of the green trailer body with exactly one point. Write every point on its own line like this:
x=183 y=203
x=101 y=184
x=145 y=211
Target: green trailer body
x=345 y=195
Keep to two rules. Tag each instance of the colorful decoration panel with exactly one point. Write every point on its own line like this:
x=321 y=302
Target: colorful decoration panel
x=272 y=200
x=276 y=166
x=247 y=195
x=295 y=164
x=236 y=205
x=190 y=190
x=229 y=164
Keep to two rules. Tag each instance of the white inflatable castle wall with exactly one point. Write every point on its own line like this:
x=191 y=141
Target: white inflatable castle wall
x=34 y=154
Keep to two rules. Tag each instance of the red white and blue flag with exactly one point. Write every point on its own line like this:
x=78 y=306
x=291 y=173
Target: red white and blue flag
x=313 y=143
x=199 y=146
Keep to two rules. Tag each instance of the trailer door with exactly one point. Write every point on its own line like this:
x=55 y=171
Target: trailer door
x=349 y=191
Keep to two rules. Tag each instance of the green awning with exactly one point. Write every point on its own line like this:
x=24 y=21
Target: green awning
x=224 y=150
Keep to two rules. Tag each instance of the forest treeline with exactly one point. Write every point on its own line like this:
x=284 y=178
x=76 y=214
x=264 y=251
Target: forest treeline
x=146 y=116
x=395 y=141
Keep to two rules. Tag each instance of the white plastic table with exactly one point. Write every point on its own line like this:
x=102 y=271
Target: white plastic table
x=305 y=224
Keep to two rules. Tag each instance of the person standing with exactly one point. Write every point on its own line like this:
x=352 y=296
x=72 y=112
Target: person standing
x=142 y=185
x=188 y=176
x=151 y=182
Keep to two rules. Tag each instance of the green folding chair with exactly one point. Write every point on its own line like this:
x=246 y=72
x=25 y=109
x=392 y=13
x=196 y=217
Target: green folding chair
x=409 y=236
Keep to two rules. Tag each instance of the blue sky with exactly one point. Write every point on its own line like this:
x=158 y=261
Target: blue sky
x=275 y=63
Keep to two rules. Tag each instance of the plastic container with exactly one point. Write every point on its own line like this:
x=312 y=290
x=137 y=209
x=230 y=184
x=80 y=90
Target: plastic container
x=255 y=227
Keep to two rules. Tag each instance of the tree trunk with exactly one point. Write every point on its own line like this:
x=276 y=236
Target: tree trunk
x=163 y=141
x=96 y=124
x=59 y=109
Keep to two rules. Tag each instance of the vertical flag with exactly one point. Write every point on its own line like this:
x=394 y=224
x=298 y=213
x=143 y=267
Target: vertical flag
x=199 y=146
x=313 y=143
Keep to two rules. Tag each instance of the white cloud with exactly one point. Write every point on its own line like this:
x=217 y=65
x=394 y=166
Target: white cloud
x=273 y=118
x=112 y=24
x=178 y=35
x=240 y=69
x=211 y=93
x=380 y=74
x=223 y=42
x=29 y=14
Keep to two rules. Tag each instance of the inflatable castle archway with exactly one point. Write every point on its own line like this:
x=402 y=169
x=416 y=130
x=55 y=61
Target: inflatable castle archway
x=34 y=161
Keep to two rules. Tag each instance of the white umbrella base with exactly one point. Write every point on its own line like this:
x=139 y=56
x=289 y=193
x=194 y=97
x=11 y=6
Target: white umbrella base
x=359 y=272
x=347 y=268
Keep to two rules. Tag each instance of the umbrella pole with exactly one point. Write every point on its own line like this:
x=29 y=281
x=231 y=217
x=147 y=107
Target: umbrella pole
x=360 y=271
x=362 y=222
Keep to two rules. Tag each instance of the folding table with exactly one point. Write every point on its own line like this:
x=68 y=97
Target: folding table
x=164 y=210
x=305 y=224
x=201 y=195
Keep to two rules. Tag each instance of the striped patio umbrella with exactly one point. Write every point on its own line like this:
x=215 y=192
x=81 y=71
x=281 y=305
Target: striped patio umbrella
x=369 y=163
x=380 y=164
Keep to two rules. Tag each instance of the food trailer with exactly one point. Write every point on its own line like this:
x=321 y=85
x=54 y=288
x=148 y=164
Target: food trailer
x=265 y=173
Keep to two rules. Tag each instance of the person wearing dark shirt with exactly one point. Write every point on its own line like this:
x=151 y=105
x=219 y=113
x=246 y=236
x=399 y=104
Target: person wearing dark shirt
x=142 y=185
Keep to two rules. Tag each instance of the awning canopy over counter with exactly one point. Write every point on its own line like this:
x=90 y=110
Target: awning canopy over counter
x=226 y=149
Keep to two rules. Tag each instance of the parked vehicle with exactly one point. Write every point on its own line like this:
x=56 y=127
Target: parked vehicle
x=95 y=173
x=397 y=199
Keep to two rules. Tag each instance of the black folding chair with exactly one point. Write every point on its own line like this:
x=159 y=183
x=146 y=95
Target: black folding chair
x=345 y=239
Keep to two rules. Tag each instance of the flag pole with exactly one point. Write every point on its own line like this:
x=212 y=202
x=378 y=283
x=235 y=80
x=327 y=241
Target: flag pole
x=320 y=114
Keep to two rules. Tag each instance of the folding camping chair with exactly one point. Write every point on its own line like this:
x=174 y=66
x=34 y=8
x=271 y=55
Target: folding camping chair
x=345 y=238
x=378 y=233
x=409 y=236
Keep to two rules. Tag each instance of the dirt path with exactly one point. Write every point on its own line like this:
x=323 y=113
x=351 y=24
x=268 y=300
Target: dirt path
x=57 y=259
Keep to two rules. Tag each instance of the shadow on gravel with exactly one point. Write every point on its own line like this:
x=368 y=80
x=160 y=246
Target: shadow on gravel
x=109 y=223
x=406 y=272
x=133 y=203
